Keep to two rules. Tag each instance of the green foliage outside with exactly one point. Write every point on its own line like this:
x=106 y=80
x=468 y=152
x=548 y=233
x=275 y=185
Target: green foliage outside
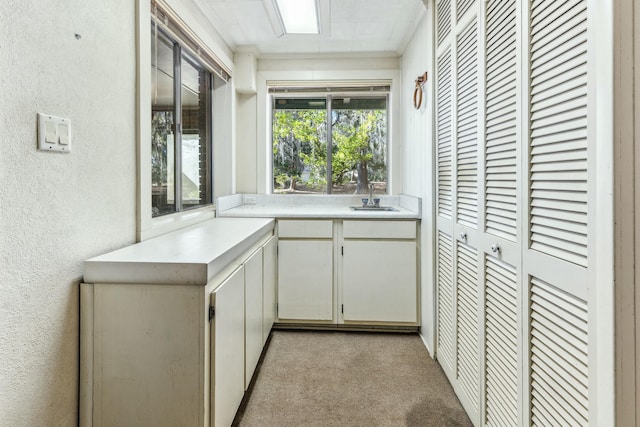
x=299 y=148
x=299 y=138
x=161 y=128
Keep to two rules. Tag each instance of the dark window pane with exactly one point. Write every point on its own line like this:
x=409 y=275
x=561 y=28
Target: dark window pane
x=162 y=125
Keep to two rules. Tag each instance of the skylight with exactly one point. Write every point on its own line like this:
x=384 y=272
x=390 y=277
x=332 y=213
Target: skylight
x=298 y=16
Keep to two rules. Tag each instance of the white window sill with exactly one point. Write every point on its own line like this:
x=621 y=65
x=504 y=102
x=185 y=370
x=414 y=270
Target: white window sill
x=165 y=224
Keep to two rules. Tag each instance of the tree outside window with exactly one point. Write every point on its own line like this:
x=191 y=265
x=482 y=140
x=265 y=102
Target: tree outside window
x=358 y=135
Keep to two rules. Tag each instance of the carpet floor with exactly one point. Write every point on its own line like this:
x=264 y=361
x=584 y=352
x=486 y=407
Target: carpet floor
x=349 y=379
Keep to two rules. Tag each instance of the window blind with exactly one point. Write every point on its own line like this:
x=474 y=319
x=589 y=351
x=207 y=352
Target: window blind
x=170 y=22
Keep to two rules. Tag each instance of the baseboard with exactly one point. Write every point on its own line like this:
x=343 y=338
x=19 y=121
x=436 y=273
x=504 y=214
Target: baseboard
x=345 y=328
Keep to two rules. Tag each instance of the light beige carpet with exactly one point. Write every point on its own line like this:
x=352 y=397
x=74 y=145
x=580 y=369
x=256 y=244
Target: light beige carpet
x=349 y=379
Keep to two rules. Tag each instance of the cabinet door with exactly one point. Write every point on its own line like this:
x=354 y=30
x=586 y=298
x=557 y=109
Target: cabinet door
x=269 y=256
x=305 y=279
x=227 y=352
x=379 y=281
x=253 y=313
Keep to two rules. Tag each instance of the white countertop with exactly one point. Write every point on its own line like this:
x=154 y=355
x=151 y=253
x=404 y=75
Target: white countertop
x=191 y=256
x=314 y=206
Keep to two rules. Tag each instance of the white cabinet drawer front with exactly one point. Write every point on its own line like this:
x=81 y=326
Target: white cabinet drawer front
x=379 y=229
x=305 y=229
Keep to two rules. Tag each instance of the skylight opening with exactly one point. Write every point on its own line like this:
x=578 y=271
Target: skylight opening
x=298 y=16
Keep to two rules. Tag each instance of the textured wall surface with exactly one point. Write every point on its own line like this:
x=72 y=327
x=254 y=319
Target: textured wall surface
x=417 y=128
x=57 y=210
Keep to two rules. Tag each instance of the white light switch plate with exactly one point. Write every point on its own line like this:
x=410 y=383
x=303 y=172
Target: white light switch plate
x=54 y=133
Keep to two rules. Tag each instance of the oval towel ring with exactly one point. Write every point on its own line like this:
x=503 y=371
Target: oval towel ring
x=417 y=91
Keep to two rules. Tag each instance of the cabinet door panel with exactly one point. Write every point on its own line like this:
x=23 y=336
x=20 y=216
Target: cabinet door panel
x=228 y=348
x=253 y=313
x=269 y=257
x=305 y=280
x=379 y=281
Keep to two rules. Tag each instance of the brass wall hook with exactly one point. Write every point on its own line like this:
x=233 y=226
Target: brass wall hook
x=417 y=91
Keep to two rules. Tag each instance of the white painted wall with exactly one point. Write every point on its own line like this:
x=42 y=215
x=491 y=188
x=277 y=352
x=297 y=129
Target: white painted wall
x=246 y=143
x=418 y=178
x=58 y=209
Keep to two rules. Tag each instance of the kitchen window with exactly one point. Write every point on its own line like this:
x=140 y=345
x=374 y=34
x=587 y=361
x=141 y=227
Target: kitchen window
x=329 y=143
x=181 y=116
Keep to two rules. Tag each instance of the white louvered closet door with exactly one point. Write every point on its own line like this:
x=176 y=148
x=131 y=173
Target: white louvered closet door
x=500 y=241
x=556 y=253
x=512 y=144
x=458 y=260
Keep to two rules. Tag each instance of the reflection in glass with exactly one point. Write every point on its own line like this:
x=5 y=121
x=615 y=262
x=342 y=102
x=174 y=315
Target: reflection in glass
x=195 y=101
x=162 y=125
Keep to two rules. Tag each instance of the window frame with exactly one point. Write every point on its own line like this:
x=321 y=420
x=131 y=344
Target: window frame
x=181 y=53
x=211 y=51
x=318 y=92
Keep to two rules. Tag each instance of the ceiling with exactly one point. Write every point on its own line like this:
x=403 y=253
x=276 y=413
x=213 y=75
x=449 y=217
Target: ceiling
x=356 y=26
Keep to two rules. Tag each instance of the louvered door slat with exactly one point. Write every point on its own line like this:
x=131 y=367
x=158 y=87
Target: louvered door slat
x=467 y=303
x=466 y=132
x=502 y=393
x=565 y=373
x=559 y=356
x=445 y=300
x=500 y=104
x=561 y=349
x=443 y=19
x=444 y=136
x=501 y=343
x=554 y=157
x=558 y=124
x=553 y=396
x=575 y=92
x=463 y=6
x=500 y=120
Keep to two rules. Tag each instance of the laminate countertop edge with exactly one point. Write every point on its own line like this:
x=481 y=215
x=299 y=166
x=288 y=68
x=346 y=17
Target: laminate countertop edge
x=191 y=256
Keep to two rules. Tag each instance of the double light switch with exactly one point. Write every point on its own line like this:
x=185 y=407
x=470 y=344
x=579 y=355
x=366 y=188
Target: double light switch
x=54 y=133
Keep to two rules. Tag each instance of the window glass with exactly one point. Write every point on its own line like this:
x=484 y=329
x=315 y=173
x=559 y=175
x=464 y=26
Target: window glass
x=300 y=145
x=195 y=100
x=358 y=151
x=162 y=126
x=180 y=128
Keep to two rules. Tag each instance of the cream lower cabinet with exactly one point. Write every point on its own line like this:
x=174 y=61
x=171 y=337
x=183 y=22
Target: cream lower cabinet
x=253 y=306
x=351 y=272
x=228 y=347
x=379 y=272
x=175 y=354
x=269 y=278
x=305 y=271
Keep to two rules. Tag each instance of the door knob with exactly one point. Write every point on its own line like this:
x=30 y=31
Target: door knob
x=496 y=249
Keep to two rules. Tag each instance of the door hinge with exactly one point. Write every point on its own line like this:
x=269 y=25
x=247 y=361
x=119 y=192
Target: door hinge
x=342 y=249
x=212 y=312
x=342 y=308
